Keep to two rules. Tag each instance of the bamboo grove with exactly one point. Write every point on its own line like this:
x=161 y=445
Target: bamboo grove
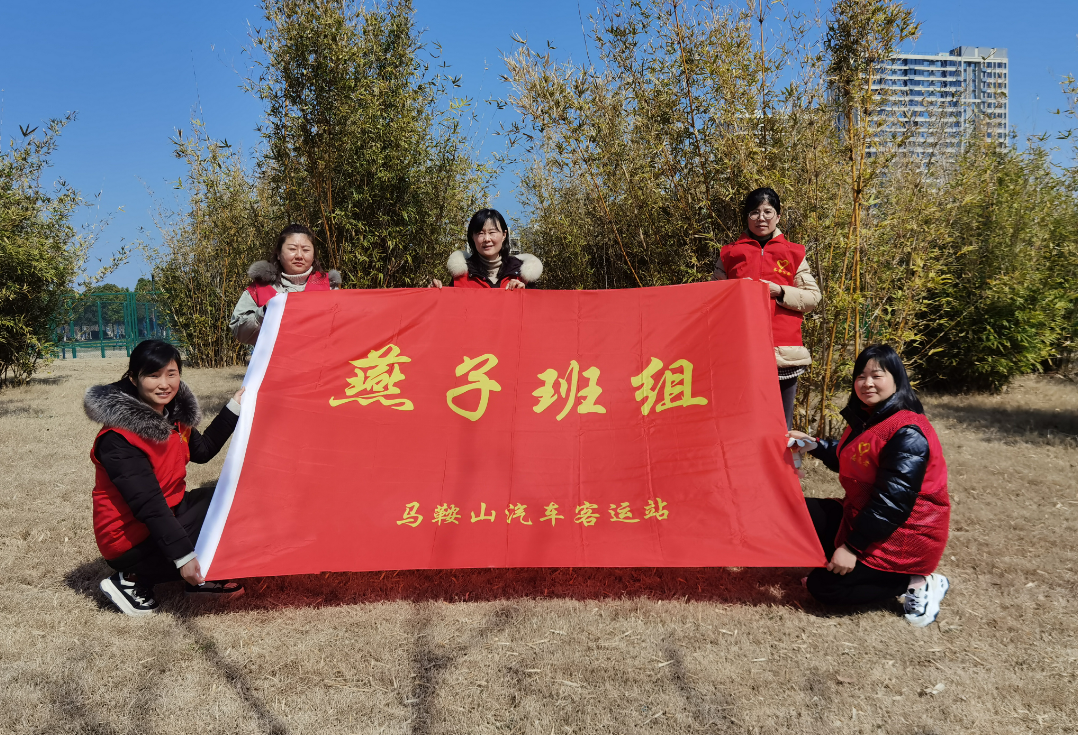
x=356 y=143
x=631 y=164
x=637 y=162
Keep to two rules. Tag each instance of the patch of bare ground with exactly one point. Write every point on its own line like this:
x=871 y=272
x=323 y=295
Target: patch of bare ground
x=547 y=650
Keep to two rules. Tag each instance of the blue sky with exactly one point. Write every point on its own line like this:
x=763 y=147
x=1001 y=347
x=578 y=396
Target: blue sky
x=135 y=71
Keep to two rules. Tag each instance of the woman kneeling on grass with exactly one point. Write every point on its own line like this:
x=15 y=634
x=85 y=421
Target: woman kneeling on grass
x=145 y=522
x=886 y=537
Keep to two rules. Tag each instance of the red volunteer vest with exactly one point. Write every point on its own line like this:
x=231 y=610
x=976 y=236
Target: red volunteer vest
x=115 y=527
x=262 y=293
x=916 y=546
x=466 y=281
x=777 y=261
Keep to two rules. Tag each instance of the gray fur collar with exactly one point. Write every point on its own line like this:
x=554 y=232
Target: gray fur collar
x=117 y=405
x=264 y=273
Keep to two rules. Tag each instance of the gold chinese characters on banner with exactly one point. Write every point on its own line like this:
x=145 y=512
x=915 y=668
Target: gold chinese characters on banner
x=586 y=514
x=377 y=376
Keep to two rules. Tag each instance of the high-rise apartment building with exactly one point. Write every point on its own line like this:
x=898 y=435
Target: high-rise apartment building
x=947 y=96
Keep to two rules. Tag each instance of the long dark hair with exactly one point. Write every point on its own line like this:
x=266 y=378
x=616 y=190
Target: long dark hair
x=294 y=229
x=479 y=221
x=888 y=359
x=151 y=355
x=756 y=197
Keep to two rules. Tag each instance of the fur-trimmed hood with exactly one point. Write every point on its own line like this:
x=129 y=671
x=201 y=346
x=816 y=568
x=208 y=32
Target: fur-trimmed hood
x=118 y=405
x=264 y=273
x=531 y=268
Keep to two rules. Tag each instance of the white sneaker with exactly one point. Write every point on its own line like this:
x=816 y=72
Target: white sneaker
x=129 y=597
x=922 y=605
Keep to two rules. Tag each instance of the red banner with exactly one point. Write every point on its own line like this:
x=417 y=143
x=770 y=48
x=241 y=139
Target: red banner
x=423 y=428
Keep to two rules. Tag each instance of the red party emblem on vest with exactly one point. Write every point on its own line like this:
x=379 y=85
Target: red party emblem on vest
x=781 y=267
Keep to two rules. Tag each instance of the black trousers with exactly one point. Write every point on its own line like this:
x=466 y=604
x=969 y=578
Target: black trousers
x=788 y=390
x=860 y=586
x=146 y=561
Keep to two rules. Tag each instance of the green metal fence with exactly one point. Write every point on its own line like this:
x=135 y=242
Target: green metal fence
x=109 y=322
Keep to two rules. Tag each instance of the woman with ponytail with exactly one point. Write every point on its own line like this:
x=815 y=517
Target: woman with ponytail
x=145 y=521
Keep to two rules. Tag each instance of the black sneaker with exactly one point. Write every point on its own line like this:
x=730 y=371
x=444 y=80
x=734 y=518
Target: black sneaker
x=128 y=596
x=215 y=590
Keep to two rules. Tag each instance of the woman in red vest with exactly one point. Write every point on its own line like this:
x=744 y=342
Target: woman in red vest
x=293 y=267
x=886 y=537
x=145 y=522
x=763 y=254
x=488 y=262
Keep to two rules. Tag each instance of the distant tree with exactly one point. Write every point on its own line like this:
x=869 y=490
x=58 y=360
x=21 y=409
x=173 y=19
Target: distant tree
x=201 y=268
x=361 y=143
x=1007 y=300
x=112 y=310
x=41 y=252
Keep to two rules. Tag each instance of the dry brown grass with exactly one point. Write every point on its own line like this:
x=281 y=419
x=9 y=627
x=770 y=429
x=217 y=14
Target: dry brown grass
x=547 y=651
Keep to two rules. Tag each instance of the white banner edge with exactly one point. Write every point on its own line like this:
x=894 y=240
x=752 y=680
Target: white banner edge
x=217 y=514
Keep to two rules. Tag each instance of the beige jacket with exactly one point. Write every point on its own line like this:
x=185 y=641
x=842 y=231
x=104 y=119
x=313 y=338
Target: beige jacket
x=246 y=321
x=803 y=296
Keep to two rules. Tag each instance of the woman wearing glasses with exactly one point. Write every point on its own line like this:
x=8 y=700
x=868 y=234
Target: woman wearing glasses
x=763 y=254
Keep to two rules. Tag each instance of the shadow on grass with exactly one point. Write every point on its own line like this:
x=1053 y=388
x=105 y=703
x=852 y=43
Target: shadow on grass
x=13 y=408
x=749 y=586
x=708 y=710
x=233 y=674
x=54 y=380
x=34 y=380
x=714 y=711
x=69 y=710
x=1032 y=425
x=84 y=580
x=430 y=664
x=744 y=586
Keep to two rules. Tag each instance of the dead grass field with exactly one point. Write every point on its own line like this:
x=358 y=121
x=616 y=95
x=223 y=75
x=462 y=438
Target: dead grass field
x=548 y=651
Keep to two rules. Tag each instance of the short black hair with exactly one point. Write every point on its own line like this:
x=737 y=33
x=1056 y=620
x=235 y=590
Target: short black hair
x=151 y=355
x=755 y=198
x=886 y=357
x=479 y=221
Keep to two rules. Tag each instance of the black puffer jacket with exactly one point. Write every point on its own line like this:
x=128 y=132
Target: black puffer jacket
x=117 y=404
x=902 y=464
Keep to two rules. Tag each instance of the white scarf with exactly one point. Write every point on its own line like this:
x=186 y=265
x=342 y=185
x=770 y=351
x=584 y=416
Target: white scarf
x=298 y=278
